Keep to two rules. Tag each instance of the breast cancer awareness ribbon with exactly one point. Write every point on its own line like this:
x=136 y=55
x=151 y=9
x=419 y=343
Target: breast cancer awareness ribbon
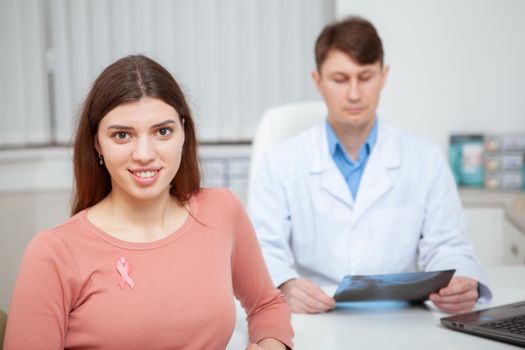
x=124 y=271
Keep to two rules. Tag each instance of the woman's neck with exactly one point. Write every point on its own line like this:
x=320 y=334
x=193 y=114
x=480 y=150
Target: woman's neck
x=135 y=220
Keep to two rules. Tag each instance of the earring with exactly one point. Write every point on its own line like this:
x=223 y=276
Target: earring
x=100 y=159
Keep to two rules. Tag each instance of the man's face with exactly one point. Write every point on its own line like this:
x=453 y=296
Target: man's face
x=351 y=91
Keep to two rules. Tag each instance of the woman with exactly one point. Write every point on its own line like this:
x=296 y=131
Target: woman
x=148 y=260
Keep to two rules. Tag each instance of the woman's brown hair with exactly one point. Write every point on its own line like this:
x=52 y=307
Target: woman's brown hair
x=129 y=79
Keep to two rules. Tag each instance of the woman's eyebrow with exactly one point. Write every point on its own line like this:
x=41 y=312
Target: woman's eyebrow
x=125 y=127
x=120 y=127
x=164 y=123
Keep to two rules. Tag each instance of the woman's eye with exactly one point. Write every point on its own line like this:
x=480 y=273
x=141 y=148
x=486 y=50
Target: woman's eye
x=165 y=131
x=121 y=135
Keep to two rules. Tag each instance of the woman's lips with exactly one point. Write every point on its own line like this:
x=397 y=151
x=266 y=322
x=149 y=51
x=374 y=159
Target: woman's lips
x=145 y=176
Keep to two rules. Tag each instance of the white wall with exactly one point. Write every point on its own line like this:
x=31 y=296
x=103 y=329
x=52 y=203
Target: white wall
x=455 y=66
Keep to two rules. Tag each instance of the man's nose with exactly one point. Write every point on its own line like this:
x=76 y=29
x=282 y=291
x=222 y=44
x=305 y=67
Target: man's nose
x=354 y=92
x=144 y=151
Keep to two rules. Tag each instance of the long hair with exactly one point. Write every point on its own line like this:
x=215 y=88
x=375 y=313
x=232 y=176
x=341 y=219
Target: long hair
x=129 y=79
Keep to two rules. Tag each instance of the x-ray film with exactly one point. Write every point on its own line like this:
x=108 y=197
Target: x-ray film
x=411 y=287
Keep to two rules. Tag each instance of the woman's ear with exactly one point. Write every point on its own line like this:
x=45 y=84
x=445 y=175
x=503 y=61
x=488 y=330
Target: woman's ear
x=97 y=145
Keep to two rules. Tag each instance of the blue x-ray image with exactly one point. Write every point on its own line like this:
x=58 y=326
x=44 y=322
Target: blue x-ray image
x=412 y=287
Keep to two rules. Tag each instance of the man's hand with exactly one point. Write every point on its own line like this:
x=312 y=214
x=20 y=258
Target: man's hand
x=306 y=297
x=459 y=296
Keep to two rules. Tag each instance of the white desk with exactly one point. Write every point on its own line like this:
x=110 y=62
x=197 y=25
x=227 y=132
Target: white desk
x=395 y=327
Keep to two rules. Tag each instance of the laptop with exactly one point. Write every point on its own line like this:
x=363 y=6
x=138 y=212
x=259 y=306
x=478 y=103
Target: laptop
x=505 y=323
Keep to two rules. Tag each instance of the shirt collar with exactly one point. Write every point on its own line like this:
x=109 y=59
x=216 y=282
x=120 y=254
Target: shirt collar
x=334 y=143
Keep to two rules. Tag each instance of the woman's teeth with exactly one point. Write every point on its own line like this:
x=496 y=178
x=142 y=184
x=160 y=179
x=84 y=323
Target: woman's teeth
x=145 y=174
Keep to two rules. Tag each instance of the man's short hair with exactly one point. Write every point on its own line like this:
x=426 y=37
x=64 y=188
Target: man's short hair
x=353 y=35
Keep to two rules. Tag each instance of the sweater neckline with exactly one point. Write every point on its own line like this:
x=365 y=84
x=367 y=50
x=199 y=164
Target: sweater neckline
x=178 y=233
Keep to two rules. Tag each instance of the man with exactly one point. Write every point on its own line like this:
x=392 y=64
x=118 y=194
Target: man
x=355 y=195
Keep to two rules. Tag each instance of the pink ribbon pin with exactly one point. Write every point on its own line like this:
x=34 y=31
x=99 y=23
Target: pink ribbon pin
x=124 y=270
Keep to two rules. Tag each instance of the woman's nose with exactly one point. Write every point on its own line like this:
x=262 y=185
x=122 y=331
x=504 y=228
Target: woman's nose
x=144 y=151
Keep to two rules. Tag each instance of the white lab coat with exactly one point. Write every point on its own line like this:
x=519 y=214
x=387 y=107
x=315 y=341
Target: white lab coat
x=407 y=215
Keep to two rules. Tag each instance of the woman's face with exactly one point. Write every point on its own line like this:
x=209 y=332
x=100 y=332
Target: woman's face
x=141 y=145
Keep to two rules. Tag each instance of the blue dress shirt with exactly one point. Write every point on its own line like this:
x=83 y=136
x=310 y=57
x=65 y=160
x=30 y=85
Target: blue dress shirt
x=352 y=171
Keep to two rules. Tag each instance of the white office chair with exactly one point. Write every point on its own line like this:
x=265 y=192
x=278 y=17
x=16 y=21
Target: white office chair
x=280 y=123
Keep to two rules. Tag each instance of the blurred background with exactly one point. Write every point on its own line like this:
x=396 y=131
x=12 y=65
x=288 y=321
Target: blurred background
x=456 y=69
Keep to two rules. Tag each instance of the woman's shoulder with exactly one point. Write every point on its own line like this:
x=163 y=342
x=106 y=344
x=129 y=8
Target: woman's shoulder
x=60 y=234
x=54 y=245
x=216 y=198
x=215 y=195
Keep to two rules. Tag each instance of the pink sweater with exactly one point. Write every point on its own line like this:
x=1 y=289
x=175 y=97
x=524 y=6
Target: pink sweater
x=67 y=294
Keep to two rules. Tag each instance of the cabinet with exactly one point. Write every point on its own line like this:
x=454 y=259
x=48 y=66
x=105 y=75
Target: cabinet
x=513 y=244
x=485 y=230
x=496 y=226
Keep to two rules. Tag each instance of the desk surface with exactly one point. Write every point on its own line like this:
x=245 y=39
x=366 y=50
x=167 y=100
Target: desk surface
x=394 y=326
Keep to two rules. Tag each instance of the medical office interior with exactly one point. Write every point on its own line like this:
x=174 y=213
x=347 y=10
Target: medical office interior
x=456 y=75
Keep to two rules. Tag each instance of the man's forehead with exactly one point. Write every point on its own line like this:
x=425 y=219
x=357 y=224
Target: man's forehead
x=339 y=61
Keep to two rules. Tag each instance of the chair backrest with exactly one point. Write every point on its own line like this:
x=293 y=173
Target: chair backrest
x=3 y=322
x=280 y=123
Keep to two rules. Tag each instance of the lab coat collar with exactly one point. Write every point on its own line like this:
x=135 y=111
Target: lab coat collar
x=323 y=165
x=376 y=181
